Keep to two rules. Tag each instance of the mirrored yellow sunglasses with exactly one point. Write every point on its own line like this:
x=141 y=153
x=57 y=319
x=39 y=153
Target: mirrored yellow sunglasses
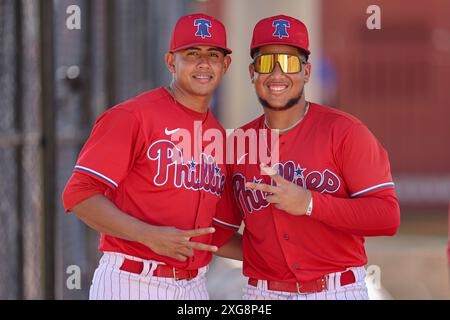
x=265 y=63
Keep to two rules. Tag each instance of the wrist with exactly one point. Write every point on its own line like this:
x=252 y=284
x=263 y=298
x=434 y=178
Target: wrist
x=310 y=206
x=307 y=204
x=143 y=233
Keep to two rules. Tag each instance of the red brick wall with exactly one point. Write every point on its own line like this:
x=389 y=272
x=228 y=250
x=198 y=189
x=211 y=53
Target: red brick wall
x=395 y=79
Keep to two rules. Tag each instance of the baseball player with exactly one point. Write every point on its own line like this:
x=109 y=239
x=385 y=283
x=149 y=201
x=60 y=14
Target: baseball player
x=152 y=203
x=306 y=215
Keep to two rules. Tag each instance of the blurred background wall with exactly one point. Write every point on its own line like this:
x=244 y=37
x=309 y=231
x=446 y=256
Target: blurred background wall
x=54 y=83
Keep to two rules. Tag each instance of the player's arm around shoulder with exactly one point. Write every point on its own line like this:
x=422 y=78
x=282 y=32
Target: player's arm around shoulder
x=227 y=222
x=231 y=248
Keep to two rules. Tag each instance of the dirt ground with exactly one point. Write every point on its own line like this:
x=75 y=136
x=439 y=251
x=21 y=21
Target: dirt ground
x=414 y=263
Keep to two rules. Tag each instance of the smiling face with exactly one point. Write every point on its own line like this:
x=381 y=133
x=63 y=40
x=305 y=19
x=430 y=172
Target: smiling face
x=197 y=71
x=278 y=90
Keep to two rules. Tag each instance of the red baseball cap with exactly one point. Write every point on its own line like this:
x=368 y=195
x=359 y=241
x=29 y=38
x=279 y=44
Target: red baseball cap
x=198 y=30
x=280 y=29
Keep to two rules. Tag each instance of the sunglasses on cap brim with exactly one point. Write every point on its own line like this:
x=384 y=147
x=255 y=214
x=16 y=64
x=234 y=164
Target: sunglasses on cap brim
x=265 y=63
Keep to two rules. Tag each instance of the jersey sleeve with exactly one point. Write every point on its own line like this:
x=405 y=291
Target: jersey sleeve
x=374 y=214
x=363 y=161
x=112 y=147
x=79 y=188
x=227 y=218
x=372 y=207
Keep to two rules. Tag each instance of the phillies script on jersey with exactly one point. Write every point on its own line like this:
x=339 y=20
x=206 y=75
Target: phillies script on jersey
x=335 y=156
x=162 y=163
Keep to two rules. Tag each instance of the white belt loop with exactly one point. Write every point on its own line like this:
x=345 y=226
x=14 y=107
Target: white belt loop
x=150 y=266
x=146 y=268
x=337 y=280
x=264 y=285
x=331 y=281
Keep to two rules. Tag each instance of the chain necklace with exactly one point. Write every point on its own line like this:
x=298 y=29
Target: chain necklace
x=282 y=131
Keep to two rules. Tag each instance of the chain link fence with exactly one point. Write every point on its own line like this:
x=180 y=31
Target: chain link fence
x=117 y=53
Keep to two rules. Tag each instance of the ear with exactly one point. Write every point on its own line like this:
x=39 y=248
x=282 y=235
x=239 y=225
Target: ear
x=170 y=62
x=251 y=69
x=307 y=72
x=226 y=63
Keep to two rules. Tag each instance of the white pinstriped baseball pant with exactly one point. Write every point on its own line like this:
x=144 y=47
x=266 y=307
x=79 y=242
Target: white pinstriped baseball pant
x=111 y=283
x=354 y=291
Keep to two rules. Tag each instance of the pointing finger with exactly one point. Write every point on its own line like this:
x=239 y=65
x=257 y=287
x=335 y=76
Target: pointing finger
x=262 y=187
x=198 y=232
x=201 y=246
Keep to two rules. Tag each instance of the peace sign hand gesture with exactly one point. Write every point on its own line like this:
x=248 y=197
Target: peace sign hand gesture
x=286 y=196
x=175 y=243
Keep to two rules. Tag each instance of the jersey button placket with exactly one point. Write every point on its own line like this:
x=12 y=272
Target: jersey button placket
x=282 y=142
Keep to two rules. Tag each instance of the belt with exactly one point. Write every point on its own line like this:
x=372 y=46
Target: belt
x=163 y=271
x=318 y=285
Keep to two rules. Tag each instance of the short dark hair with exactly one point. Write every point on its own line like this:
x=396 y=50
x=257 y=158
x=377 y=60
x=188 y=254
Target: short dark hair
x=302 y=53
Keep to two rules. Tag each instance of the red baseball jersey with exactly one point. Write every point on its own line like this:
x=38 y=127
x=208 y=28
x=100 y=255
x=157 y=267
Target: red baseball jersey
x=149 y=176
x=335 y=156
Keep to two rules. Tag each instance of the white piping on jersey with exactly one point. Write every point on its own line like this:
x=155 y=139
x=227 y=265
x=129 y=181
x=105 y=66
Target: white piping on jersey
x=226 y=224
x=97 y=174
x=388 y=184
